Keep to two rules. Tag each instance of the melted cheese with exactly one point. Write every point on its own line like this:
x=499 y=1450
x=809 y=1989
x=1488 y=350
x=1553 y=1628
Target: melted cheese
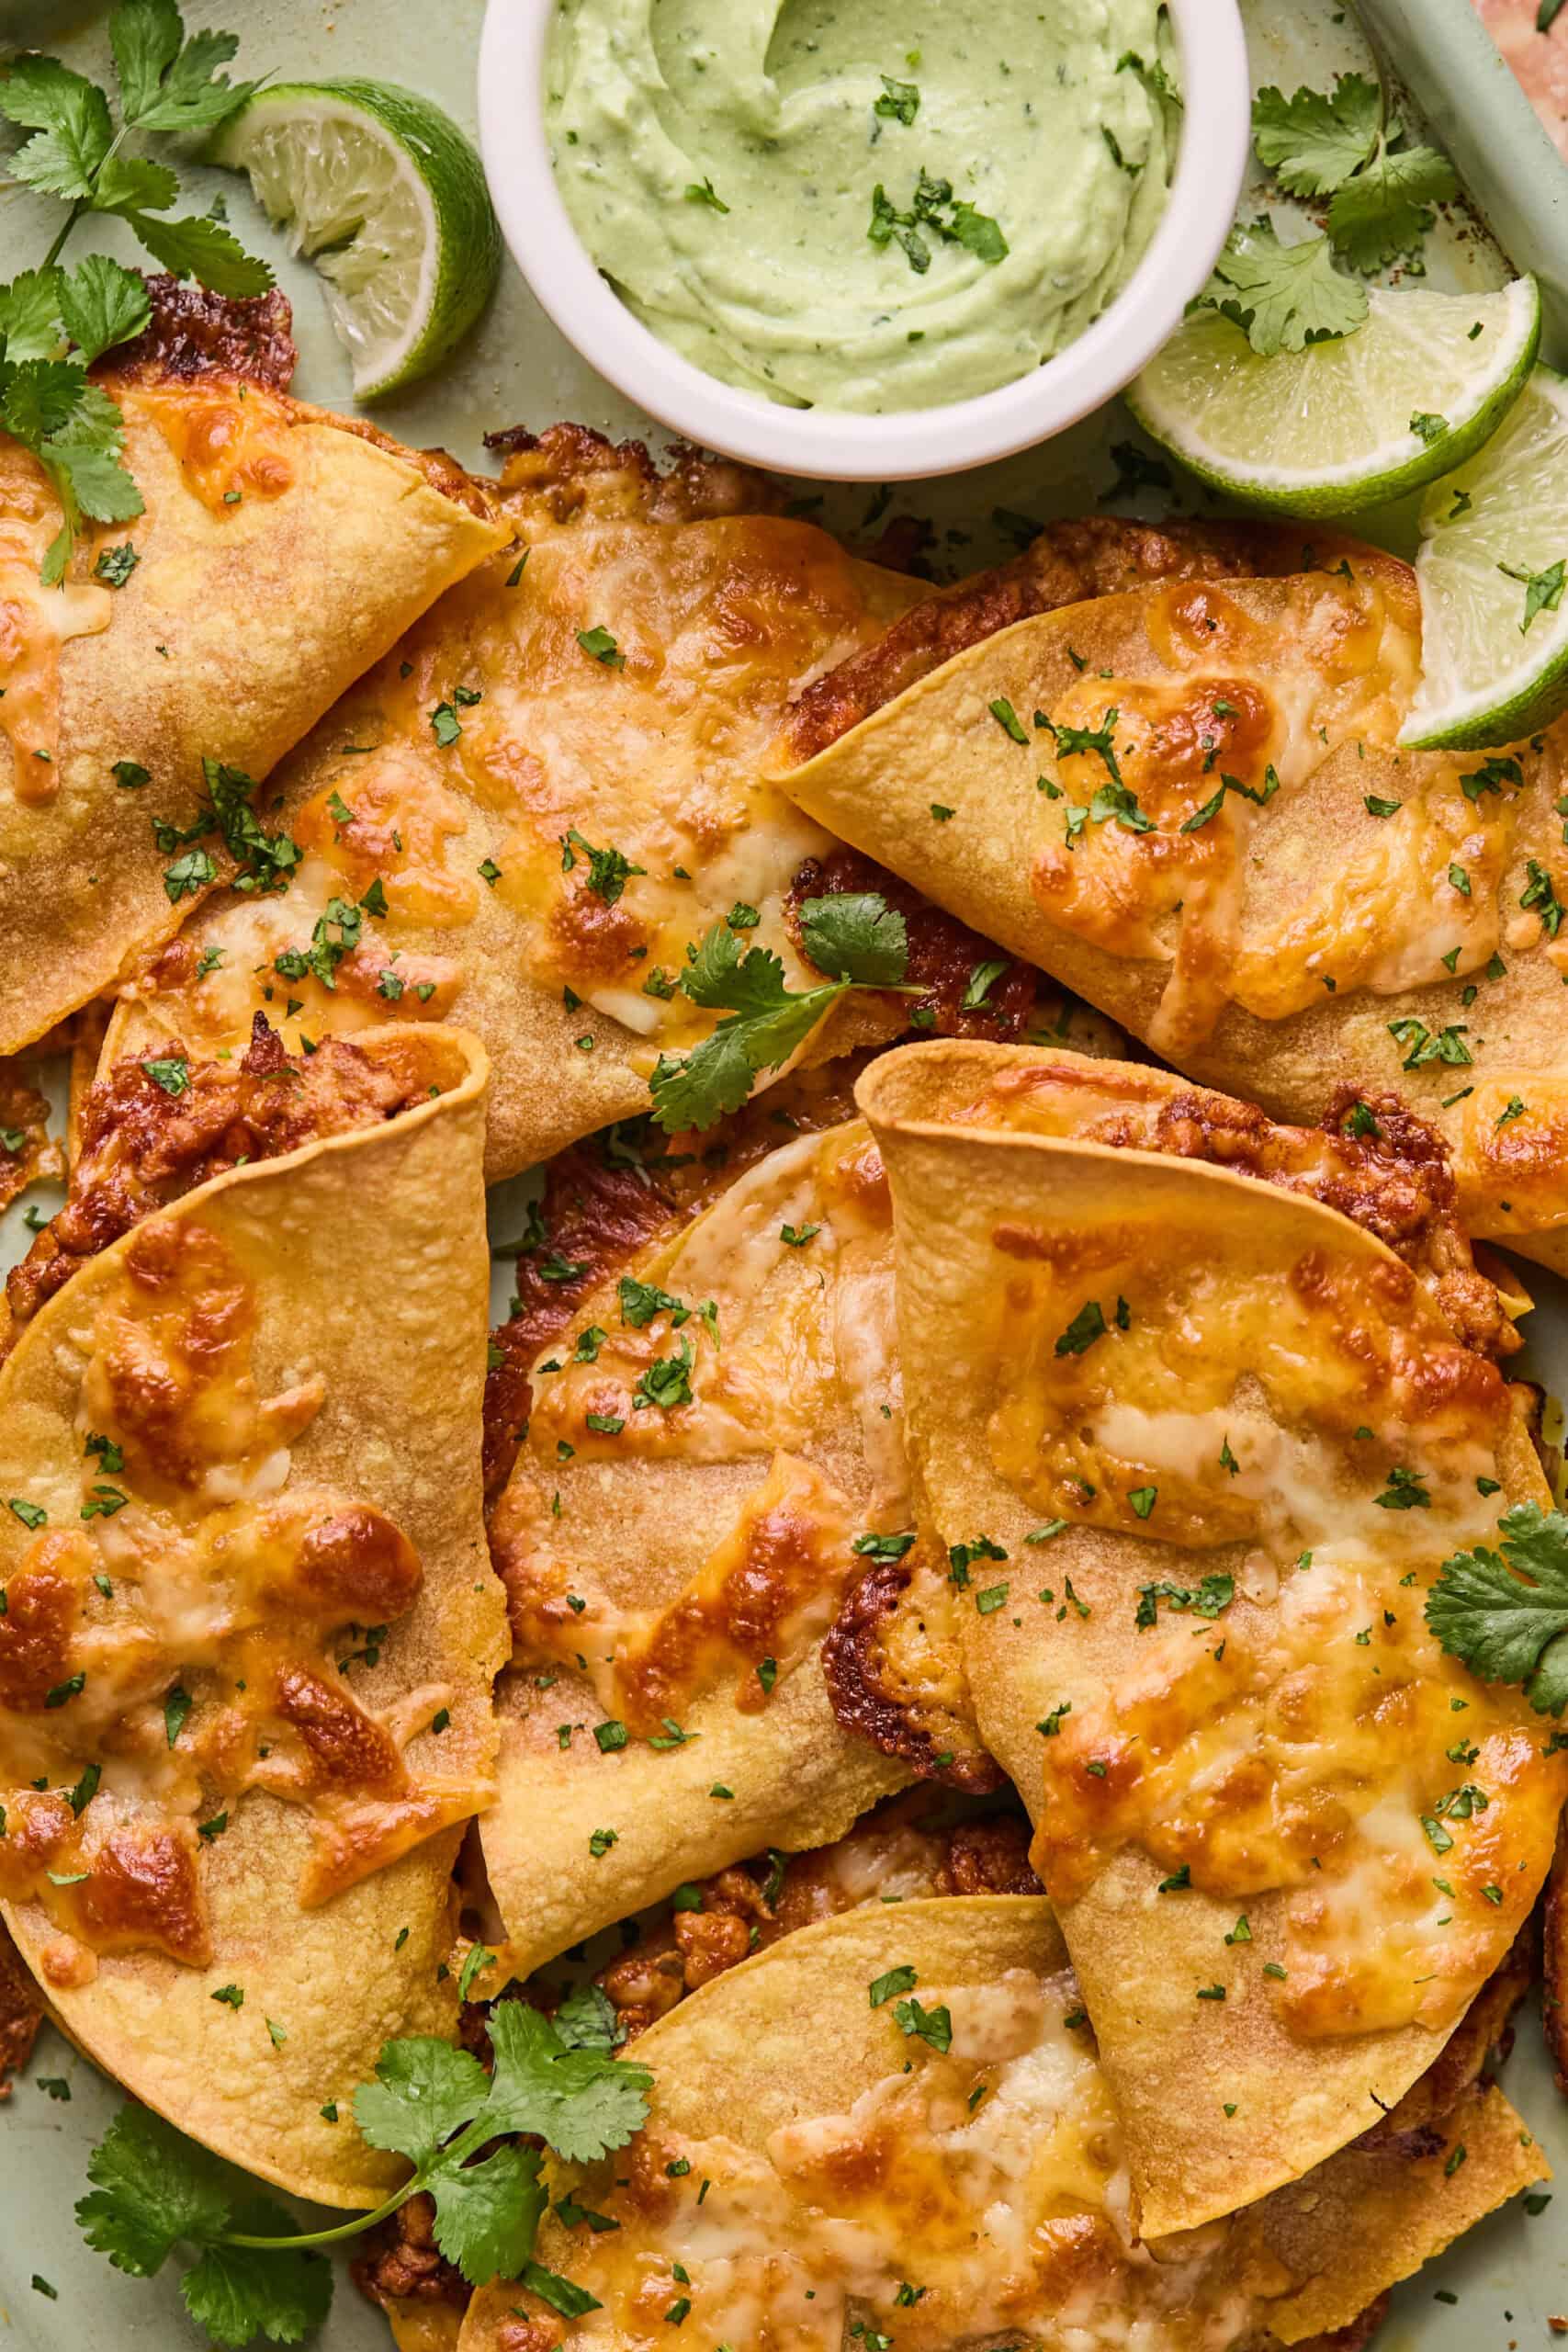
x=975 y=2193
x=720 y=623
x=229 y=438
x=195 y=1564
x=794 y=1413
x=1311 y=1432
x=1257 y=716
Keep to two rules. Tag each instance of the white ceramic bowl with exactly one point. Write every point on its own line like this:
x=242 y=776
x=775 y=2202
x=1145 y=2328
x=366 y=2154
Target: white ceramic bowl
x=833 y=444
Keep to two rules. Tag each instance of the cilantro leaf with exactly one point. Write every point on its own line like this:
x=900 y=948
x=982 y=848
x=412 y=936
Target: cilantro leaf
x=719 y=972
x=1505 y=1613
x=101 y=303
x=264 y=860
x=40 y=396
x=582 y=2101
x=561 y=2295
x=167 y=82
x=195 y=246
x=151 y=2188
x=588 y=2020
x=1284 y=296
x=30 y=315
x=1314 y=143
x=70 y=118
x=487 y=2214
x=90 y=444
x=128 y=183
x=425 y=2090
x=856 y=937
x=237 y=2292
x=77 y=432
x=1385 y=211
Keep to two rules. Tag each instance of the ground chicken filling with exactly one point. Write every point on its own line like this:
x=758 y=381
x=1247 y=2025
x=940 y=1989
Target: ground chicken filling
x=155 y=1128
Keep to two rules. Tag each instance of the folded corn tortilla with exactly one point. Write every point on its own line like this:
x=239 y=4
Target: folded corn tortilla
x=1187 y=802
x=709 y=1438
x=281 y=550
x=523 y=817
x=251 y=1624
x=897 y=2119
x=1197 y=1444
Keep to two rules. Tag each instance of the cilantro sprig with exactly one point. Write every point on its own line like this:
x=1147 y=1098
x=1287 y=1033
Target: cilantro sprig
x=1348 y=144
x=856 y=937
x=1505 y=1613
x=54 y=322
x=247 y=2275
x=167 y=83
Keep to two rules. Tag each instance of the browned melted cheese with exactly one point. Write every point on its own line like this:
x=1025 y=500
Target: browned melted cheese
x=1374 y=1160
x=228 y=436
x=965 y=2197
x=1251 y=1418
x=456 y=773
x=788 y=1365
x=1264 y=708
x=192 y=1565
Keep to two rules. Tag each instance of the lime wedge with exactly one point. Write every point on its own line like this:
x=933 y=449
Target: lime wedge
x=1348 y=422
x=384 y=193
x=1493 y=565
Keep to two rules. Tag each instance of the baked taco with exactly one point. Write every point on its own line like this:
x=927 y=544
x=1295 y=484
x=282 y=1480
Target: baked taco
x=1198 y=1443
x=249 y=1623
x=1188 y=803
x=528 y=812
x=897 y=2122
x=145 y=698
x=713 y=1445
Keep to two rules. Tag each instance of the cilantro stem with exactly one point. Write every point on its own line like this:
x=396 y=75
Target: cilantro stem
x=70 y=220
x=343 y=2230
x=84 y=203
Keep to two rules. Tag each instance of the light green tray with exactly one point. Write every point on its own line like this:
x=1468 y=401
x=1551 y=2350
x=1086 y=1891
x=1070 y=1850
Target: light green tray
x=1510 y=2275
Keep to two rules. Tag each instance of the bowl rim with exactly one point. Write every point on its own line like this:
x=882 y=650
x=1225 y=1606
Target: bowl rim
x=841 y=445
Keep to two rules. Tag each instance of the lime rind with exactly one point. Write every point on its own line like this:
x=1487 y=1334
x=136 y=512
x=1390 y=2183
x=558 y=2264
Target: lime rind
x=1509 y=505
x=1327 y=431
x=380 y=189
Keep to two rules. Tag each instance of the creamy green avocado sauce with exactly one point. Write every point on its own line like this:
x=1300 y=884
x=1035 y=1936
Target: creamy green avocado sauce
x=864 y=204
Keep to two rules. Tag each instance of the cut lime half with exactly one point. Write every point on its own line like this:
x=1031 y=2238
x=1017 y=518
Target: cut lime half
x=387 y=196
x=1493 y=566
x=1346 y=424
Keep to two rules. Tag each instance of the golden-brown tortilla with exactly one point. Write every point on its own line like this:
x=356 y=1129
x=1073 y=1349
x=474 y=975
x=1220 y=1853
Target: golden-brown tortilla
x=303 y=1336
x=708 y=620
x=809 y=2156
x=1231 y=857
x=1287 y=1838
x=670 y=1569
x=704 y=609
x=281 y=551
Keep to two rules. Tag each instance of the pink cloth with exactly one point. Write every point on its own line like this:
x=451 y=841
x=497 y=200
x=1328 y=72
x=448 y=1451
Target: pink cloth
x=1540 y=60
